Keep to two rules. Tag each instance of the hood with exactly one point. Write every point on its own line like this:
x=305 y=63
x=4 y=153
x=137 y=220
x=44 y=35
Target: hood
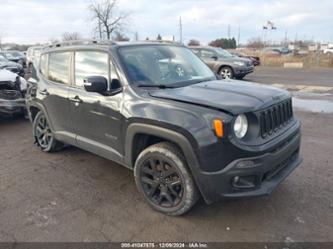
x=6 y=75
x=231 y=96
x=10 y=64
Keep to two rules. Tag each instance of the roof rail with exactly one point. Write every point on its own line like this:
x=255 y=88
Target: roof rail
x=164 y=41
x=81 y=42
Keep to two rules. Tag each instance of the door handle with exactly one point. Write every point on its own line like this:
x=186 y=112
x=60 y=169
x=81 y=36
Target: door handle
x=44 y=92
x=76 y=99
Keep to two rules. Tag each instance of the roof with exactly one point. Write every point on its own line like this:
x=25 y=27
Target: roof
x=104 y=43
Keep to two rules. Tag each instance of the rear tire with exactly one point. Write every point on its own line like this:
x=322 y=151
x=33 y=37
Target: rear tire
x=44 y=138
x=162 y=176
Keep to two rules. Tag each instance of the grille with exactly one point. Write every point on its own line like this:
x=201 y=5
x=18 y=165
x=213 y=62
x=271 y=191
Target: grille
x=275 y=118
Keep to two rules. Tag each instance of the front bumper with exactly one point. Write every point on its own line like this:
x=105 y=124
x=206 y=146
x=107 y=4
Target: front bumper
x=253 y=176
x=11 y=107
x=241 y=71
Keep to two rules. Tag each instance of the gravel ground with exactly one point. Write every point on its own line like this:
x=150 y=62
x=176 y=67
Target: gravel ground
x=73 y=195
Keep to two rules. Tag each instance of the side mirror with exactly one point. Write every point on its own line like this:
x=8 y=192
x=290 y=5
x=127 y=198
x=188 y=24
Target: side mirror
x=214 y=57
x=97 y=84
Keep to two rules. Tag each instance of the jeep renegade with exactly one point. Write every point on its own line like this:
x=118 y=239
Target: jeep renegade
x=157 y=109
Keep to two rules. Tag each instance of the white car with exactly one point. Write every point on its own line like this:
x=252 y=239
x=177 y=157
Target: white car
x=328 y=51
x=12 y=92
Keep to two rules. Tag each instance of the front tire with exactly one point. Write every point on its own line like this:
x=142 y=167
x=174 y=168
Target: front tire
x=226 y=72
x=240 y=77
x=44 y=138
x=162 y=176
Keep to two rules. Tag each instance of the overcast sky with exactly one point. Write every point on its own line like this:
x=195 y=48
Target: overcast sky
x=30 y=21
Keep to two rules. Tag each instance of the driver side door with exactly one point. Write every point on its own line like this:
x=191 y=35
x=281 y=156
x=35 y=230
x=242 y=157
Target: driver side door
x=95 y=117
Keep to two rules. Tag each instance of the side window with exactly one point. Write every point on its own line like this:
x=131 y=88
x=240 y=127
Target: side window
x=90 y=63
x=207 y=53
x=43 y=64
x=59 y=67
x=196 y=51
x=115 y=82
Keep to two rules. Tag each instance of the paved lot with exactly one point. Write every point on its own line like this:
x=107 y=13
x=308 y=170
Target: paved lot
x=73 y=195
x=304 y=76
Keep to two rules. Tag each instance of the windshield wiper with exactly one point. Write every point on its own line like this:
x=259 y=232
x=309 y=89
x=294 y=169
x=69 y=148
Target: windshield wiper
x=161 y=86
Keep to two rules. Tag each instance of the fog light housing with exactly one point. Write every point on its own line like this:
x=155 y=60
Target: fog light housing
x=244 y=182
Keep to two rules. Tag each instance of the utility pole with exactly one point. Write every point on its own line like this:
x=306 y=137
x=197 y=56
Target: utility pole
x=100 y=29
x=180 y=30
x=228 y=31
x=238 y=39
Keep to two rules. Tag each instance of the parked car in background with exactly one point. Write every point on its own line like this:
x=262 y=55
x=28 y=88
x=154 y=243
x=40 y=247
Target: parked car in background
x=11 y=66
x=33 y=54
x=223 y=63
x=12 y=92
x=15 y=56
x=255 y=59
x=164 y=114
x=271 y=52
x=328 y=51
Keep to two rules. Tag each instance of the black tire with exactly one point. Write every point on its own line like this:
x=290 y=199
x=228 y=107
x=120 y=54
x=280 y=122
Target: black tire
x=170 y=188
x=226 y=72
x=240 y=77
x=44 y=138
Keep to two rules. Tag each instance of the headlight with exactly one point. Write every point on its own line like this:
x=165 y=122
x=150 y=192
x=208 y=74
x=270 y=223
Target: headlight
x=240 y=126
x=239 y=63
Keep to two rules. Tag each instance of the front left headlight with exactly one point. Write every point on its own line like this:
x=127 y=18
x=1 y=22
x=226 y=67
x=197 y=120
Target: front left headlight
x=241 y=126
x=239 y=63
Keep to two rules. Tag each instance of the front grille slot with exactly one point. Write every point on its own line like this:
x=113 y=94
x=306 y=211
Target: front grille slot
x=275 y=117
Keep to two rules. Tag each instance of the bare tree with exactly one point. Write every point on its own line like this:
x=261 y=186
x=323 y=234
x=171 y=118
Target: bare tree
x=120 y=37
x=193 y=42
x=107 y=17
x=71 y=36
x=255 y=43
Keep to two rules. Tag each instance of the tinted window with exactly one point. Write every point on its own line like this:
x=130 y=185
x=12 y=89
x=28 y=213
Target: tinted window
x=43 y=64
x=163 y=64
x=196 y=51
x=90 y=63
x=207 y=53
x=59 y=67
x=115 y=82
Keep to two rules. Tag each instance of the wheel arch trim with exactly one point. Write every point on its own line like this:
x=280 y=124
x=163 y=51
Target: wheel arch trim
x=167 y=134
x=173 y=136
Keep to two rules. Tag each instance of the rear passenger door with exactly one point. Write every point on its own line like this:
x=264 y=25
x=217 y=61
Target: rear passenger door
x=53 y=90
x=209 y=57
x=95 y=117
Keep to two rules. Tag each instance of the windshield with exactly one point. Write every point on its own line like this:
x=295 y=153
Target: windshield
x=3 y=59
x=15 y=53
x=222 y=53
x=169 y=66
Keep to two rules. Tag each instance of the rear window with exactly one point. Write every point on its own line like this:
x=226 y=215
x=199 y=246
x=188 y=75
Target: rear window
x=59 y=67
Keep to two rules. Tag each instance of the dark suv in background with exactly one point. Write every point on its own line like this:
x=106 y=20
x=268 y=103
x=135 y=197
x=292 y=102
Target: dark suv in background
x=223 y=63
x=159 y=110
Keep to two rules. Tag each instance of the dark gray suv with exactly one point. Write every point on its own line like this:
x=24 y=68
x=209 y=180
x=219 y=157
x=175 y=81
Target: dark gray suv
x=159 y=110
x=223 y=63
